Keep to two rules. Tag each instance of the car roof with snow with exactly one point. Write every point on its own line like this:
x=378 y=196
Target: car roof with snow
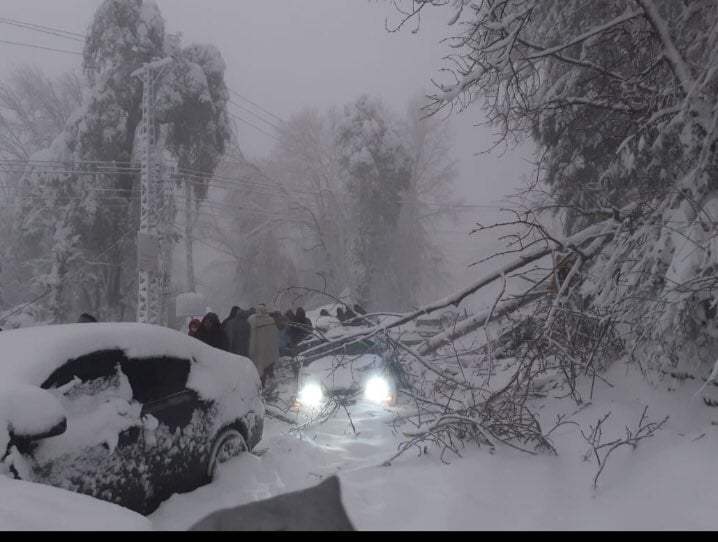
x=30 y=355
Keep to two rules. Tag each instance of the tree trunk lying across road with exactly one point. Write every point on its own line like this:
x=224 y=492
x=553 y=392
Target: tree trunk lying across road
x=470 y=324
x=592 y=233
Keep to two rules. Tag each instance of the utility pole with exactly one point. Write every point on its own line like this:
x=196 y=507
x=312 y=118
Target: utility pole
x=188 y=236
x=150 y=255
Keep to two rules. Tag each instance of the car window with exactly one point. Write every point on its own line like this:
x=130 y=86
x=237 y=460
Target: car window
x=85 y=383
x=152 y=379
x=96 y=369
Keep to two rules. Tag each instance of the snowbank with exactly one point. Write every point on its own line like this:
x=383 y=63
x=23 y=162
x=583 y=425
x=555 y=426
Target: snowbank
x=666 y=483
x=38 y=507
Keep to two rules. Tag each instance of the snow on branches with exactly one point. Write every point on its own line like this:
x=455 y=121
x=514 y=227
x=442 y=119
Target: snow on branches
x=619 y=95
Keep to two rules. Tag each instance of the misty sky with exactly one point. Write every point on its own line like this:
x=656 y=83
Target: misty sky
x=289 y=54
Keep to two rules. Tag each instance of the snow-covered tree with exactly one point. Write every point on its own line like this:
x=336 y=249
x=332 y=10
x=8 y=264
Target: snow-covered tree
x=323 y=211
x=192 y=102
x=306 y=162
x=33 y=110
x=99 y=221
x=620 y=96
x=378 y=167
x=247 y=220
x=413 y=271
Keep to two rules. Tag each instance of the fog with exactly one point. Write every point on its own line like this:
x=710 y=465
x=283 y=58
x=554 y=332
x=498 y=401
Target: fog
x=284 y=56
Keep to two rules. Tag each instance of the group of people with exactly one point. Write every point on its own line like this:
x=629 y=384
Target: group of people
x=255 y=333
x=348 y=316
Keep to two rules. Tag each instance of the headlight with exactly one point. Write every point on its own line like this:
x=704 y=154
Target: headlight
x=311 y=395
x=378 y=390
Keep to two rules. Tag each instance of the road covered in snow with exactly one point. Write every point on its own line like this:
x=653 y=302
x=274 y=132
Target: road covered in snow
x=666 y=482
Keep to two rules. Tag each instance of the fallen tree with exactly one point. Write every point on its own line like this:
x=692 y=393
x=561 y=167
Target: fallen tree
x=602 y=231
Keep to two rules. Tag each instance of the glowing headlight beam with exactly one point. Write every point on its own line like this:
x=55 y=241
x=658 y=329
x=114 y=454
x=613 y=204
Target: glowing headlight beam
x=311 y=395
x=378 y=390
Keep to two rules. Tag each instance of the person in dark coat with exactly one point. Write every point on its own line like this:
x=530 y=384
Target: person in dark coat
x=301 y=328
x=232 y=314
x=283 y=326
x=353 y=319
x=350 y=317
x=238 y=334
x=340 y=315
x=211 y=332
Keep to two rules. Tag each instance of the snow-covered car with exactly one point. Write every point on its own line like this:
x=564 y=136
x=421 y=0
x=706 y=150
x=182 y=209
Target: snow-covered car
x=127 y=413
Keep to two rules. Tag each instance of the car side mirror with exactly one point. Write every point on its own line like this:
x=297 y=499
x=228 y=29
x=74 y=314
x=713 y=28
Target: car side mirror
x=58 y=429
x=31 y=413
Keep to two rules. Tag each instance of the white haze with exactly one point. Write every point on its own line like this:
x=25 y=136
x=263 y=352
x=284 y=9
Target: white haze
x=287 y=55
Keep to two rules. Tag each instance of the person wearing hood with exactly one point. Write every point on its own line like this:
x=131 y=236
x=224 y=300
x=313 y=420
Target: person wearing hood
x=194 y=326
x=283 y=326
x=350 y=317
x=86 y=318
x=238 y=334
x=211 y=332
x=263 y=342
x=232 y=314
x=302 y=326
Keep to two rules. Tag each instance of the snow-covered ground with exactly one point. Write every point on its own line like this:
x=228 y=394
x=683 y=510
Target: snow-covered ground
x=667 y=482
x=25 y=506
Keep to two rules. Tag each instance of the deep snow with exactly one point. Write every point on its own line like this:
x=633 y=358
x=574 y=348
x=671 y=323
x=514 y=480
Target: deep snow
x=667 y=482
x=39 y=507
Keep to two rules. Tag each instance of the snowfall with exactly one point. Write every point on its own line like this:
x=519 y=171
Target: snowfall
x=667 y=482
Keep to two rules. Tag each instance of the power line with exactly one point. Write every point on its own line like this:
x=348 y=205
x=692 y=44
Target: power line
x=307 y=193
x=202 y=242
x=232 y=182
x=66 y=162
x=66 y=171
x=40 y=47
x=40 y=27
x=199 y=178
x=37 y=28
x=253 y=125
x=256 y=105
x=254 y=114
